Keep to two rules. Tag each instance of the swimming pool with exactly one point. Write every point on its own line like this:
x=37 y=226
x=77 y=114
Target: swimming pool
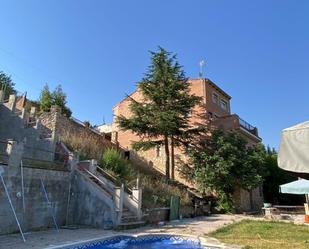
x=143 y=242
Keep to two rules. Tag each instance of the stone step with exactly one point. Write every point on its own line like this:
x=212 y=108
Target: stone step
x=130 y=225
x=127 y=219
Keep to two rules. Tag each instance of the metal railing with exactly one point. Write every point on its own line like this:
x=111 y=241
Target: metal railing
x=116 y=181
x=83 y=124
x=248 y=126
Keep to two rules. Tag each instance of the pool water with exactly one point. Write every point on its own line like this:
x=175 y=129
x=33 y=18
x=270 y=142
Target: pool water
x=144 y=242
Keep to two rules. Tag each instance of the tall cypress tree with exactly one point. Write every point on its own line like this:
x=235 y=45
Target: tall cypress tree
x=164 y=111
x=45 y=100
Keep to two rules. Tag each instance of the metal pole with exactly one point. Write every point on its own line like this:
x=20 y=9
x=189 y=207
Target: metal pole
x=68 y=205
x=22 y=184
x=8 y=196
x=49 y=205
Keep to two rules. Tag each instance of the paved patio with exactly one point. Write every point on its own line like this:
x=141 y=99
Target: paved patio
x=197 y=227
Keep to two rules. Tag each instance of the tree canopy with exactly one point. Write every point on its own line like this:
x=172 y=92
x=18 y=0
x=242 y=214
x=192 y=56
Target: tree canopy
x=56 y=97
x=274 y=178
x=224 y=162
x=45 y=100
x=6 y=84
x=164 y=111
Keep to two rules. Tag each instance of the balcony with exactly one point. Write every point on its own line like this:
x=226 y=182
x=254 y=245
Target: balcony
x=253 y=130
x=234 y=122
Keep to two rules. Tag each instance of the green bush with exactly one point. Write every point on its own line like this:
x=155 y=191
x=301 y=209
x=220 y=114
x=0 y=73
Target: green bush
x=113 y=161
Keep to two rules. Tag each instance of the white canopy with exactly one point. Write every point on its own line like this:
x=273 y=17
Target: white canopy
x=294 y=148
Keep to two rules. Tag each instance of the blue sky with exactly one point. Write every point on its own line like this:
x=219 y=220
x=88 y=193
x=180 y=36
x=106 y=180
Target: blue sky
x=258 y=51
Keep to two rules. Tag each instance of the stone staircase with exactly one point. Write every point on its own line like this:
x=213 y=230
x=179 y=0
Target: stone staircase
x=127 y=219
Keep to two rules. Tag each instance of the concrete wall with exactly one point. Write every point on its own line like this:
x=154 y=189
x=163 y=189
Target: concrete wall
x=12 y=126
x=75 y=199
x=89 y=206
x=37 y=213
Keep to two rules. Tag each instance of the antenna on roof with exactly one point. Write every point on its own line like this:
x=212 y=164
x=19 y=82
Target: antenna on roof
x=202 y=63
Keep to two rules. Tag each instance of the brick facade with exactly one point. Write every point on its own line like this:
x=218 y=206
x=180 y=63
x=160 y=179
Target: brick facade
x=215 y=110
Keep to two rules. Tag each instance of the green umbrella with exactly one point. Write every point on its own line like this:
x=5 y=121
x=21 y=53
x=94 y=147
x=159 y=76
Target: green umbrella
x=299 y=187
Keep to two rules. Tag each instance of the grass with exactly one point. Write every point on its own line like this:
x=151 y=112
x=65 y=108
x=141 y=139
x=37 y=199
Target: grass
x=264 y=235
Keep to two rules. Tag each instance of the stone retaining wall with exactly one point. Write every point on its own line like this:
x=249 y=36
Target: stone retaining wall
x=70 y=130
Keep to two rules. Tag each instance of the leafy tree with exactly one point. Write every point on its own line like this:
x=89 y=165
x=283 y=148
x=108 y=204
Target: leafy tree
x=6 y=84
x=164 y=111
x=274 y=178
x=46 y=100
x=57 y=97
x=223 y=162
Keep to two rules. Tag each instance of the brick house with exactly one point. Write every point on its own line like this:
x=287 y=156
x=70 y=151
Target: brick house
x=215 y=110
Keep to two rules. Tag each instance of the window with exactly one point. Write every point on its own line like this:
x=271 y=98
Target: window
x=158 y=151
x=223 y=104
x=127 y=155
x=215 y=98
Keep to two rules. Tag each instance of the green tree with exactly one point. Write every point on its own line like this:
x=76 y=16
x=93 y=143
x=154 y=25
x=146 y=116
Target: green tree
x=59 y=98
x=112 y=159
x=274 y=178
x=164 y=112
x=6 y=84
x=224 y=162
x=46 y=100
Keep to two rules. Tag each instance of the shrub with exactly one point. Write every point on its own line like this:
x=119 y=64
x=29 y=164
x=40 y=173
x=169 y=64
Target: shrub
x=157 y=192
x=113 y=160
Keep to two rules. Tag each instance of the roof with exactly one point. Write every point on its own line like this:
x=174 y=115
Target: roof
x=214 y=85
x=192 y=79
x=301 y=126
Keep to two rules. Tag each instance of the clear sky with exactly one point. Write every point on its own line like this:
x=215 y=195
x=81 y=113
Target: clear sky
x=257 y=51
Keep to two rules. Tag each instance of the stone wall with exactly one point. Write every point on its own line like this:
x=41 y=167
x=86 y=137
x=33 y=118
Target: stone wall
x=72 y=132
x=243 y=203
